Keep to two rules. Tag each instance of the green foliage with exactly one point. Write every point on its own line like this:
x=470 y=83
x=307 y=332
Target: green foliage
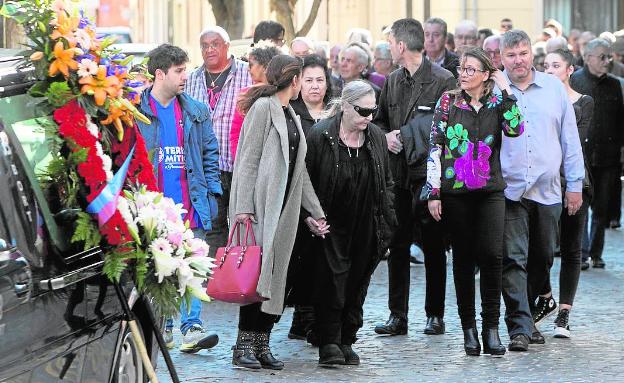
x=140 y=267
x=115 y=262
x=458 y=185
x=59 y=94
x=86 y=231
x=457 y=135
x=162 y=294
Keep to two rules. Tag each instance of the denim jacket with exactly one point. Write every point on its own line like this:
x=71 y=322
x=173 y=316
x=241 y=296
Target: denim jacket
x=201 y=153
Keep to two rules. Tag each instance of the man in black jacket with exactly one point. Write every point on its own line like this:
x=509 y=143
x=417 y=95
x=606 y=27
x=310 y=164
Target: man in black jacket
x=605 y=139
x=414 y=87
x=435 y=45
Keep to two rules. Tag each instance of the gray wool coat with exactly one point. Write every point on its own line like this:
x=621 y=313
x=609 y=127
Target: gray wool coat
x=258 y=187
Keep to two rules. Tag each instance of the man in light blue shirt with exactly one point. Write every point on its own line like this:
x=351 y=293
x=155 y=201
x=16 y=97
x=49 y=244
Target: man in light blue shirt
x=531 y=166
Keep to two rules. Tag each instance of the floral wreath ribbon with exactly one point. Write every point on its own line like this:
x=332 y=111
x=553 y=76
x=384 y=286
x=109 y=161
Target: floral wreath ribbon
x=105 y=204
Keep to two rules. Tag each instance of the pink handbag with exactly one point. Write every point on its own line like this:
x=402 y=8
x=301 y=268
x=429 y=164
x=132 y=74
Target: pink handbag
x=235 y=279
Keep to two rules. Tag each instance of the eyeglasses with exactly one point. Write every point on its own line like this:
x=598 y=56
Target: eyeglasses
x=603 y=57
x=493 y=52
x=365 y=112
x=469 y=71
x=213 y=45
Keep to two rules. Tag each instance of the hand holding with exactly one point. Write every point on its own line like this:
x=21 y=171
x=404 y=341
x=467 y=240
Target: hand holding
x=244 y=217
x=318 y=227
x=573 y=202
x=394 y=143
x=435 y=209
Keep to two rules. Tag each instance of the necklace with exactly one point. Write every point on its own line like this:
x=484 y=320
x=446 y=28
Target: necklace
x=212 y=81
x=357 y=149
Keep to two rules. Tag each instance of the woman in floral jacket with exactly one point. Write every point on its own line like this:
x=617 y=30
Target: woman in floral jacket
x=464 y=175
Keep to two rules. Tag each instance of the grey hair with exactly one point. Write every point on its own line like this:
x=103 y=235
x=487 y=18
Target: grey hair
x=360 y=35
x=469 y=25
x=556 y=43
x=351 y=92
x=489 y=39
x=362 y=50
x=596 y=43
x=439 y=21
x=218 y=30
x=384 y=49
x=304 y=40
x=513 y=38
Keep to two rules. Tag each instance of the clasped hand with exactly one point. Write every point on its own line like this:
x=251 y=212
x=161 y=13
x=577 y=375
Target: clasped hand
x=318 y=227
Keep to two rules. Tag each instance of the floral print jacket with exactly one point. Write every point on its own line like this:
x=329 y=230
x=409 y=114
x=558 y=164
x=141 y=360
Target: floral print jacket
x=465 y=143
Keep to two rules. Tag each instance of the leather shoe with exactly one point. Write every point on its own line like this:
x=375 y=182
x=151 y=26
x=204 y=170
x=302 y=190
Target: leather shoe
x=584 y=265
x=394 y=326
x=350 y=357
x=434 y=326
x=598 y=263
x=537 y=337
x=330 y=355
x=519 y=342
x=491 y=342
x=471 y=342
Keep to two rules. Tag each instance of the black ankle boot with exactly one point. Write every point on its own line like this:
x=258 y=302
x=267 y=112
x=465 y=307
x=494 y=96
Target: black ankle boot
x=491 y=342
x=263 y=352
x=471 y=342
x=243 y=351
x=303 y=319
x=330 y=354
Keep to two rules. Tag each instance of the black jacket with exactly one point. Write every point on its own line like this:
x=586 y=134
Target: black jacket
x=301 y=110
x=322 y=160
x=402 y=97
x=606 y=136
x=415 y=136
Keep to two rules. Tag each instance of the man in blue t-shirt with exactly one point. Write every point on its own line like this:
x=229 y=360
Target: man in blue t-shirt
x=185 y=159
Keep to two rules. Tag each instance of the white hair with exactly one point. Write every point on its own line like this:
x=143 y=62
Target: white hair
x=467 y=25
x=307 y=41
x=217 y=30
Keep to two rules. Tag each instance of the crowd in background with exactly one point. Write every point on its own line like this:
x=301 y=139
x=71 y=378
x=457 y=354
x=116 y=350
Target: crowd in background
x=425 y=144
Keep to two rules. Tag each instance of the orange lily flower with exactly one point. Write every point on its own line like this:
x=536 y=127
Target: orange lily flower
x=118 y=115
x=65 y=27
x=100 y=86
x=64 y=60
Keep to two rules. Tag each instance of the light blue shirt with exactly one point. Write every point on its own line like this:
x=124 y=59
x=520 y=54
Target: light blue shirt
x=531 y=163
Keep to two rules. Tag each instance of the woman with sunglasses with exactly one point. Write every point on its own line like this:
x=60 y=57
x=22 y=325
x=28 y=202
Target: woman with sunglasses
x=347 y=161
x=464 y=176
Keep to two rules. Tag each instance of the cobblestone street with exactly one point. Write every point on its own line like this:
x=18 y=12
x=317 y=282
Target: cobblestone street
x=593 y=354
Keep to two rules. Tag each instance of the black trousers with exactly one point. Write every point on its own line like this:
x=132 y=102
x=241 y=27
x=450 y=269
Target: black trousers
x=476 y=223
x=251 y=318
x=571 y=237
x=218 y=236
x=344 y=269
x=604 y=180
x=413 y=215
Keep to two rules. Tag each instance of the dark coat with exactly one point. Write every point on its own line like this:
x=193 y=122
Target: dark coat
x=451 y=62
x=301 y=110
x=401 y=99
x=322 y=161
x=606 y=136
x=415 y=136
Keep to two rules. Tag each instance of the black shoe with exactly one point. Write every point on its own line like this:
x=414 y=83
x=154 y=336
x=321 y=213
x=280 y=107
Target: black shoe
x=350 y=357
x=615 y=224
x=208 y=342
x=263 y=354
x=544 y=307
x=562 y=328
x=394 y=326
x=537 y=337
x=471 y=342
x=491 y=342
x=243 y=352
x=519 y=342
x=303 y=319
x=584 y=265
x=313 y=338
x=434 y=326
x=598 y=263
x=331 y=355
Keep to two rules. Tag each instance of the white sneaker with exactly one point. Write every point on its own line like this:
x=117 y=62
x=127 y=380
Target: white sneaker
x=190 y=339
x=168 y=337
x=562 y=328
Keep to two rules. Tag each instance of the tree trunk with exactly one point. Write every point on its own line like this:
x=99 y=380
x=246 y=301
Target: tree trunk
x=285 y=9
x=230 y=15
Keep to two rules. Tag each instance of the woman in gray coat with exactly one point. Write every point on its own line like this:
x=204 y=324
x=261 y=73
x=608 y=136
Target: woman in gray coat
x=270 y=184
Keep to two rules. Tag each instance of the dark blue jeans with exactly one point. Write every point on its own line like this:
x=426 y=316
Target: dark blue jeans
x=604 y=180
x=530 y=238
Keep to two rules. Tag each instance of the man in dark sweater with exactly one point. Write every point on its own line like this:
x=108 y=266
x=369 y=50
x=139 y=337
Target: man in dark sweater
x=605 y=139
x=408 y=91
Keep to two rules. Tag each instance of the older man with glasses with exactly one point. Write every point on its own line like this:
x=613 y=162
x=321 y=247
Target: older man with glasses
x=466 y=35
x=491 y=46
x=605 y=136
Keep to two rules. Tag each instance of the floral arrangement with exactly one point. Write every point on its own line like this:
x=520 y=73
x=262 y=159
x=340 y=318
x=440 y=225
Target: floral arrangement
x=98 y=154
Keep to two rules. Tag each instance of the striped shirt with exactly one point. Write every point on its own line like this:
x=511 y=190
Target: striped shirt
x=223 y=112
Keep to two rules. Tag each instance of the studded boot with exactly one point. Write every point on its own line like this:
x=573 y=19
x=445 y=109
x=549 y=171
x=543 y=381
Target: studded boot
x=243 y=352
x=263 y=353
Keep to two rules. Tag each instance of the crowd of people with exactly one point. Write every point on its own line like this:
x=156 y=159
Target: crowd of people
x=490 y=146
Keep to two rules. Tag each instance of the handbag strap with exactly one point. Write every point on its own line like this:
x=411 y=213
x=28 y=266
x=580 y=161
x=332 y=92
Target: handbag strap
x=249 y=230
x=235 y=228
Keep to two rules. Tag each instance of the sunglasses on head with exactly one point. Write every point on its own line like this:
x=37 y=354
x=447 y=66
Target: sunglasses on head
x=364 y=112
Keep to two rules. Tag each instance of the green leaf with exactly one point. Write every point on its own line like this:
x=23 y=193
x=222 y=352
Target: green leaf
x=86 y=231
x=453 y=144
x=450 y=132
x=463 y=147
x=39 y=89
x=508 y=115
x=513 y=123
x=59 y=93
x=9 y=10
x=465 y=134
x=458 y=185
x=115 y=262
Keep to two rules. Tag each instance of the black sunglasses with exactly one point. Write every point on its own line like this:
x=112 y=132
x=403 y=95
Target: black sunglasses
x=365 y=112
